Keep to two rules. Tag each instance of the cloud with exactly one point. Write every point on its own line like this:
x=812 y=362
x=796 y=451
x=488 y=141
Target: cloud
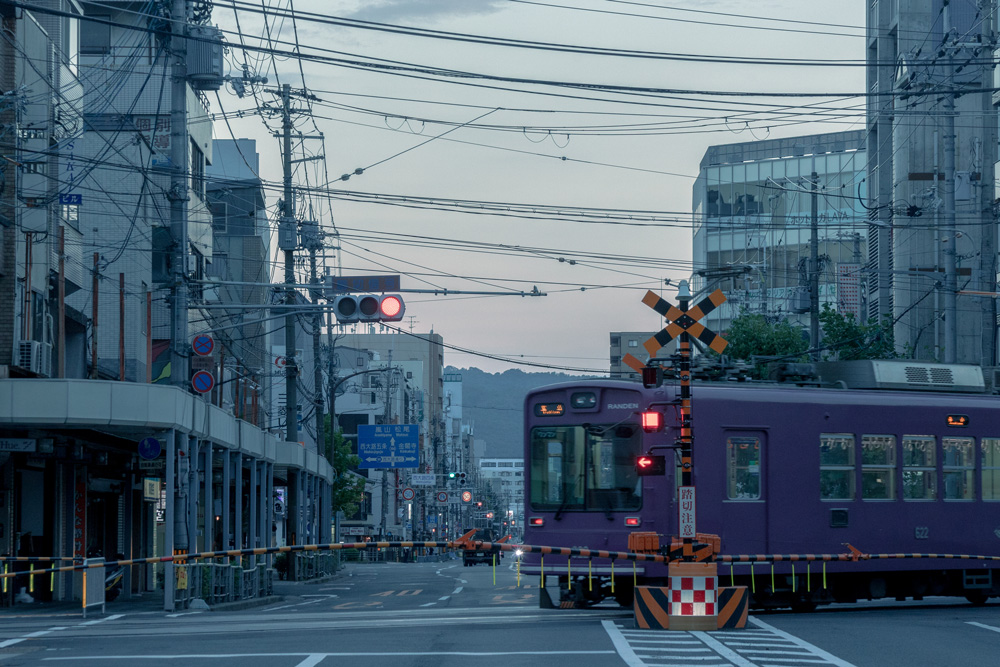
x=395 y=11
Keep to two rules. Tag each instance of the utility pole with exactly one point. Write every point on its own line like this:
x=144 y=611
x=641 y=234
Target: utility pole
x=313 y=243
x=949 y=232
x=178 y=193
x=814 y=267
x=287 y=232
x=988 y=256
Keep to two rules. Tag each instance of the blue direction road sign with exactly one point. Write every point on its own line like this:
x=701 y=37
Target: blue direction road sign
x=388 y=446
x=150 y=448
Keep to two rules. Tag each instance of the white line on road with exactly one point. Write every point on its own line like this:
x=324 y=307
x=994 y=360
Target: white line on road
x=102 y=620
x=356 y=654
x=984 y=627
x=815 y=650
x=184 y=613
x=312 y=661
x=625 y=651
x=720 y=648
x=444 y=598
x=457 y=591
x=32 y=635
x=429 y=604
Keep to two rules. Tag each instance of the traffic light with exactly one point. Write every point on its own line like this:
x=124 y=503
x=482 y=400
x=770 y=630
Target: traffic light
x=369 y=308
x=647 y=464
x=461 y=479
x=451 y=475
x=652 y=421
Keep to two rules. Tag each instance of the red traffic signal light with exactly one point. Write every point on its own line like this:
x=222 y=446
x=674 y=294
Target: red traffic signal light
x=647 y=464
x=391 y=308
x=652 y=421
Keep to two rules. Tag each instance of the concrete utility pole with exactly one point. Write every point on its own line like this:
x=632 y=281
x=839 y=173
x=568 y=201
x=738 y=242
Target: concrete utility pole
x=949 y=231
x=288 y=229
x=814 y=267
x=314 y=243
x=988 y=256
x=178 y=194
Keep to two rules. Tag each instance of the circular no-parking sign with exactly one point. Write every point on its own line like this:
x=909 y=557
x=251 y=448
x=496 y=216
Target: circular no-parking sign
x=442 y=497
x=202 y=381
x=203 y=344
x=408 y=493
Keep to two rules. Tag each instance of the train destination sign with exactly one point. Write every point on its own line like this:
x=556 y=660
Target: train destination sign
x=388 y=446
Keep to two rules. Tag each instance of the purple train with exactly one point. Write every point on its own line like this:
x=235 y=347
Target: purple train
x=778 y=469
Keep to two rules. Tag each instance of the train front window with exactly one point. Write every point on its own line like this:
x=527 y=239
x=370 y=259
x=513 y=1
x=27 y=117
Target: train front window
x=592 y=468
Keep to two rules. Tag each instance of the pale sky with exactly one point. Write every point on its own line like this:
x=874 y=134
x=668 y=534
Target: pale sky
x=368 y=116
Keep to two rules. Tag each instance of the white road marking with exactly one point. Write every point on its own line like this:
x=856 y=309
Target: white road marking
x=721 y=649
x=984 y=627
x=30 y=635
x=103 y=620
x=321 y=656
x=429 y=604
x=457 y=591
x=312 y=661
x=622 y=647
x=444 y=598
x=814 y=650
x=184 y=613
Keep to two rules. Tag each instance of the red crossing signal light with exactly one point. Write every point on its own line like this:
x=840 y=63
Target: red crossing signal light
x=652 y=421
x=647 y=464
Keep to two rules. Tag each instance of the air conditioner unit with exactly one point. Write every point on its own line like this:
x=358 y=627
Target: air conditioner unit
x=35 y=357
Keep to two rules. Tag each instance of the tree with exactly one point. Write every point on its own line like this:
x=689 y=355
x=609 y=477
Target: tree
x=846 y=339
x=348 y=489
x=752 y=335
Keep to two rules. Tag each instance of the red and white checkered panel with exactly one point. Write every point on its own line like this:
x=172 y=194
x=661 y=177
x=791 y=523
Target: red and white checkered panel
x=692 y=596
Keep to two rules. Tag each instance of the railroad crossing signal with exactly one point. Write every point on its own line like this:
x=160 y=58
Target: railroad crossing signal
x=680 y=320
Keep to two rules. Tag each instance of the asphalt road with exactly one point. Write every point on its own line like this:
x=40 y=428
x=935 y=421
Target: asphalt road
x=443 y=614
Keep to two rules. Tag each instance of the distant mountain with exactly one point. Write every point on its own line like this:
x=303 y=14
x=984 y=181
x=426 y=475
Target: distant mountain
x=494 y=403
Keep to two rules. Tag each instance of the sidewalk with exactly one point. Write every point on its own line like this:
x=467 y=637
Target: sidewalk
x=152 y=602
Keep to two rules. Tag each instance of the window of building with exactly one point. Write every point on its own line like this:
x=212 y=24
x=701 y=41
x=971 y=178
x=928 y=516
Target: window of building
x=220 y=265
x=197 y=170
x=615 y=340
x=40 y=167
x=836 y=466
x=991 y=468
x=95 y=37
x=958 y=465
x=220 y=213
x=878 y=467
x=743 y=468
x=633 y=343
x=615 y=360
x=919 y=473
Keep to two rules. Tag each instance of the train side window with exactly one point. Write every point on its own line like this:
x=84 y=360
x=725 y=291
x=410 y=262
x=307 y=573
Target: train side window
x=919 y=467
x=991 y=468
x=958 y=464
x=878 y=467
x=836 y=466
x=743 y=468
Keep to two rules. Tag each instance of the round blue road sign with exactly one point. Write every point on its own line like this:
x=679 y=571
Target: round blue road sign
x=203 y=344
x=150 y=448
x=202 y=381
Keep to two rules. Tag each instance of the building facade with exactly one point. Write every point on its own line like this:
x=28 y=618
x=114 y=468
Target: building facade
x=753 y=208
x=932 y=145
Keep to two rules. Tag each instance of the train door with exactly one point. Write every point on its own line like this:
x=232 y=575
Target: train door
x=744 y=516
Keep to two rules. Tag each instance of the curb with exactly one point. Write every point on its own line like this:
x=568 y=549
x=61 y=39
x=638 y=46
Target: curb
x=239 y=605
